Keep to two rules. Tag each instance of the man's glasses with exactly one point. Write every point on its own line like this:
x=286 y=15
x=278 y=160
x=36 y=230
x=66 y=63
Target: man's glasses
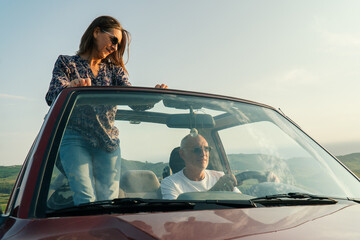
x=114 y=40
x=199 y=150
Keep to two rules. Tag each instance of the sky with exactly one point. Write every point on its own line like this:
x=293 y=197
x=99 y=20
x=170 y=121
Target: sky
x=301 y=56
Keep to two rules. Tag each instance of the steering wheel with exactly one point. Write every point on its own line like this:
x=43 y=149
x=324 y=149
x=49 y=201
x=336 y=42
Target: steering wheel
x=260 y=176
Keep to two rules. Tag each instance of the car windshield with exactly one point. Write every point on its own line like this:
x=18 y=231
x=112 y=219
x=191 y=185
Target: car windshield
x=265 y=152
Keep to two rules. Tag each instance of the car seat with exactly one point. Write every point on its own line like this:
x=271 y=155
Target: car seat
x=140 y=183
x=176 y=163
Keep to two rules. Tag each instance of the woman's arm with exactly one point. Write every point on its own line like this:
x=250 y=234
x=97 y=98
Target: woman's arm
x=65 y=74
x=60 y=80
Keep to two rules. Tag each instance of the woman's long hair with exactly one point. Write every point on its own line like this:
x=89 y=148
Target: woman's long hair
x=105 y=23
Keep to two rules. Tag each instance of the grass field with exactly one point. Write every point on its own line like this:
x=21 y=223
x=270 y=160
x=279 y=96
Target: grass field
x=3 y=200
x=8 y=176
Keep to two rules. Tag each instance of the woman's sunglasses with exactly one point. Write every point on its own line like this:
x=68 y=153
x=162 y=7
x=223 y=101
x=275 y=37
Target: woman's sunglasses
x=114 y=40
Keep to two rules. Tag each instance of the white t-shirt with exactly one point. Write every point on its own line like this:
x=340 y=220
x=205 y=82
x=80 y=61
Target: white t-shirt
x=176 y=184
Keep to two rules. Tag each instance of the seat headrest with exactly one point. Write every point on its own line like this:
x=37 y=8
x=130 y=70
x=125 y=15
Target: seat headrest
x=176 y=163
x=139 y=181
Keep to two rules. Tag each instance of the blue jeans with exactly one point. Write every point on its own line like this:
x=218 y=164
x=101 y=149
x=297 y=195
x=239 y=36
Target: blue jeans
x=93 y=173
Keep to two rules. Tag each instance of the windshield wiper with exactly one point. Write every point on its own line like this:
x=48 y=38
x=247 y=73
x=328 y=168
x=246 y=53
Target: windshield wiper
x=202 y=205
x=193 y=204
x=135 y=205
x=121 y=205
x=293 y=199
x=356 y=200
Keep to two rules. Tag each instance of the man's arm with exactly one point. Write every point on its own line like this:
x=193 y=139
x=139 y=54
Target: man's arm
x=225 y=183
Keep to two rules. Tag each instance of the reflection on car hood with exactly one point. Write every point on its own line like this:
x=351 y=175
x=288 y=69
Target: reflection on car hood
x=306 y=222
x=301 y=222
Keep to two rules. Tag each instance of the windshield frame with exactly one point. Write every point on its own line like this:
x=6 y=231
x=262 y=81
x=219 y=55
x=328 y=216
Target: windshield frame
x=39 y=198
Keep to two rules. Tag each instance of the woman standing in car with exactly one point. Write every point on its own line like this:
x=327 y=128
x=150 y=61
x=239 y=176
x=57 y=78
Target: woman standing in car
x=89 y=152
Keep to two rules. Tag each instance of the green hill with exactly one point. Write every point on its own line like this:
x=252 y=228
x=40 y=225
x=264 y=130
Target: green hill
x=242 y=162
x=9 y=172
x=352 y=161
x=8 y=176
x=157 y=168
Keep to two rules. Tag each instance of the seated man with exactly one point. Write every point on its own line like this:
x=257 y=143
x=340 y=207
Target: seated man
x=194 y=177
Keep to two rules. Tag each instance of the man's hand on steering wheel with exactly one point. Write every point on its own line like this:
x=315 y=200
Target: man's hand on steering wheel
x=260 y=176
x=272 y=177
x=225 y=183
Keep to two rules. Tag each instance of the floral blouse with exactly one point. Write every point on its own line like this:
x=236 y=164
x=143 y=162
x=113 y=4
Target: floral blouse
x=94 y=123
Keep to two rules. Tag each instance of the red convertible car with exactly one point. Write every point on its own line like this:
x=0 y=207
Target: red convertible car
x=288 y=186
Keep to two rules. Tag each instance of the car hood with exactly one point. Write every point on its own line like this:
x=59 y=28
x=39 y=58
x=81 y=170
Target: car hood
x=302 y=222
